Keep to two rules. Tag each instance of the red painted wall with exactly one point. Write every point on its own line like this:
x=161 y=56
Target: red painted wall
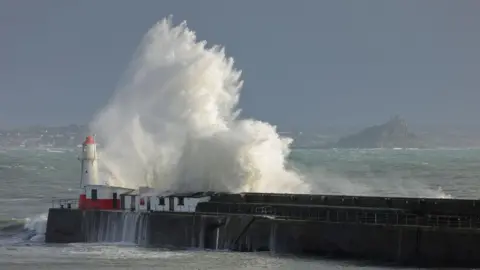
x=85 y=203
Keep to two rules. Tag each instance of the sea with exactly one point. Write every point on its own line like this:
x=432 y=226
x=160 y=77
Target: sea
x=30 y=179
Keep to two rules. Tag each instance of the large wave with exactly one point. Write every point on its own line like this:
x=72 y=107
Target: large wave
x=173 y=123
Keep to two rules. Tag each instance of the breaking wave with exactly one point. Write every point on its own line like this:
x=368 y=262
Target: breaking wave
x=173 y=123
x=19 y=230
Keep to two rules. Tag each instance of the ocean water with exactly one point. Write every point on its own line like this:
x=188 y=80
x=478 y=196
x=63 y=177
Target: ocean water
x=29 y=180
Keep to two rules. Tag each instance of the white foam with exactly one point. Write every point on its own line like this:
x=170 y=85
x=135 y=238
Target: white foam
x=37 y=225
x=173 y=124
x=120 y=252
x=42 y=254
x=118 y=227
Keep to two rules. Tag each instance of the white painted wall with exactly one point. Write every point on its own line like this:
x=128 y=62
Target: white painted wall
x=89 y=165
x=189 y=204
x=158 y=207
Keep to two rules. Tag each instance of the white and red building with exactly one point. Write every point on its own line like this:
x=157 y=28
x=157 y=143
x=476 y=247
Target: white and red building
x=98 y=196
x=101 y=197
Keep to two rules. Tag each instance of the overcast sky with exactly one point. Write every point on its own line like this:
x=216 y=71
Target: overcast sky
x=305 y=63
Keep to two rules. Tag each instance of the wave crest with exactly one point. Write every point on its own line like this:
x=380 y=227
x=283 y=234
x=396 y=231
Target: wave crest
x=173 y=123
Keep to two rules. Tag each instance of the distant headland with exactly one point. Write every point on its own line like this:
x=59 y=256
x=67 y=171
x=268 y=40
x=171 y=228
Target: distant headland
x=392 y=134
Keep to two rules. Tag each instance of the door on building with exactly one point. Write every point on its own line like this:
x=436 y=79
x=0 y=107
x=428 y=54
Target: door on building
x=132 y=202
x=171 y=204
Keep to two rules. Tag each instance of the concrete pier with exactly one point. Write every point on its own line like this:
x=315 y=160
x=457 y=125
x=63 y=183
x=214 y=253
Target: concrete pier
x=406 y=231
x=65 y=226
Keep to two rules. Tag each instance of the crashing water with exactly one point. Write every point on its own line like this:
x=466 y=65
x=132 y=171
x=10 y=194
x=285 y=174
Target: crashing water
x=37 y=226
x=173 y=123
x=29 y=229
x=100 y=227
x=116 y=227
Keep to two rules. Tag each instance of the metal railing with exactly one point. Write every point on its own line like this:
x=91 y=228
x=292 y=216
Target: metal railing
x=352 y=216
x=65 y=203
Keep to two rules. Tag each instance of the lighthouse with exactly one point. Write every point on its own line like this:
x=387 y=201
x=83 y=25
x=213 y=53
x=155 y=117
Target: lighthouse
x=89 y=163
x=94 y=195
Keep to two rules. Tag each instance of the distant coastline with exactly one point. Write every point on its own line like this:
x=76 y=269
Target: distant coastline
x=394 y=133
x=43 y=137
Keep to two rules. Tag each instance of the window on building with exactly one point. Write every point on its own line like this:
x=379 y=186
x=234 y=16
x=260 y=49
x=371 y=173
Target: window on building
x=180 y=201
x=161 y=201
x=94 y=194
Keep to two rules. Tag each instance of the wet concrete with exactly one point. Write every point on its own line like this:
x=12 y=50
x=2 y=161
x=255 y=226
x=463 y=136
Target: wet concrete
x=405 y=245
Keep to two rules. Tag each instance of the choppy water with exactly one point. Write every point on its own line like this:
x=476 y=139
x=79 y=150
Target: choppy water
x=30 y=179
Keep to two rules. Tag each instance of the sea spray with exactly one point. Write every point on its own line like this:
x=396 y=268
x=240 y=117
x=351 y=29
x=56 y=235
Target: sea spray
x=172 y=124
x=357 y=177
x=36 y=227
x=116 y=227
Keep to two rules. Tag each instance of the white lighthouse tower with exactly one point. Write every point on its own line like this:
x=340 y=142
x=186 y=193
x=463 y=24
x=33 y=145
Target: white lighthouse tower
x=89 y=176
x=89 y=163
x=95 y=195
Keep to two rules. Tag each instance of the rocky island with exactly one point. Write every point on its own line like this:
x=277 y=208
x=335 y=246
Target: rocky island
x=392 y=134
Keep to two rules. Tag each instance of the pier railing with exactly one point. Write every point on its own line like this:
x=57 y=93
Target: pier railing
x=367 y=216
x=65 y=203
x=418 y=205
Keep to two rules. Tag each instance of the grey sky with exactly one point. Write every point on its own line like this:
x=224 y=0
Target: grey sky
x=305 y=63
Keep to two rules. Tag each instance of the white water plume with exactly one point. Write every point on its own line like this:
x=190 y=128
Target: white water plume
x=173 y=123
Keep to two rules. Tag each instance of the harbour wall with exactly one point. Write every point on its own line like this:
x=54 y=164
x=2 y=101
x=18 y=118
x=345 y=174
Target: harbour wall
x=434 y=206
x=79 y=226
x=405 y=245
x=64 y=226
